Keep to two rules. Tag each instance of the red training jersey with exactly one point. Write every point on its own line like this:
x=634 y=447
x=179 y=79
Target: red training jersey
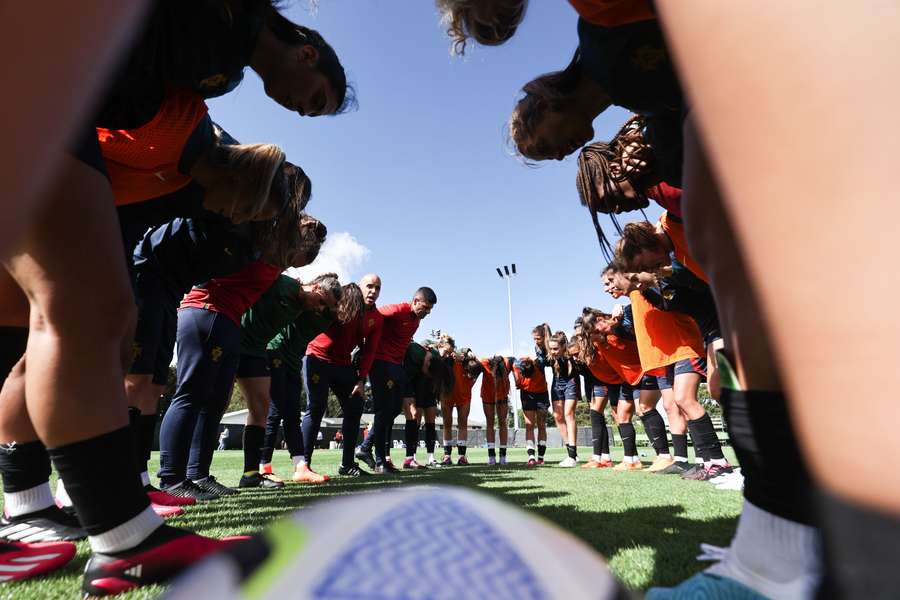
x=612 y=13
x=535 y=383
x=462 y=385
x=143 y=163
x=335 y=345
x=667 y=196
x=493 y=390
x=400 y=325
x=623 y=356
x=233 y=294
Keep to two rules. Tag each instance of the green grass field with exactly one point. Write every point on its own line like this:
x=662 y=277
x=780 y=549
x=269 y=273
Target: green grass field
x=647 y=526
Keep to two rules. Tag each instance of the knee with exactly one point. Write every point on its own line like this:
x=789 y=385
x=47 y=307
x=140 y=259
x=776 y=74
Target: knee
x=107 y=317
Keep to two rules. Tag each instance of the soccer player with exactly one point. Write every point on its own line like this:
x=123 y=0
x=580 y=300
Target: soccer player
x=387 y=375
x=320 y=376
x=279 y=306
x=495 y=401
x=466 y=369
x=531 y=382
x=564 y=394
x=429 y=379
x=488 y=22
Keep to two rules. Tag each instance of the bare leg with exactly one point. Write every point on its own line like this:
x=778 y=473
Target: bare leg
x=571 y=428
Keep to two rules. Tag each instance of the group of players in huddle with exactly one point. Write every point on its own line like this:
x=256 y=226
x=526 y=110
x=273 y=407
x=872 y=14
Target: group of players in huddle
x=209 y=225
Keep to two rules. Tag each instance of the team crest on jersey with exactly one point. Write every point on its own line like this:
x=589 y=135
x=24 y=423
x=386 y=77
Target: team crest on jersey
x=136 y=350
x=276 y=363
x=216 y=353
x=371 y=322
x=648 y=58
x=390 y=384
x=214 y=82
x=314 y=378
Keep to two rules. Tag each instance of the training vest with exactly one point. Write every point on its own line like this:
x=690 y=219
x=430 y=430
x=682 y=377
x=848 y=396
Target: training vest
x=491 y=389
x=663 y=337
x=674 y=228
x=536 y=383
x=143 y=163
x=602 y=371
x=462 y=385
x=623 y=356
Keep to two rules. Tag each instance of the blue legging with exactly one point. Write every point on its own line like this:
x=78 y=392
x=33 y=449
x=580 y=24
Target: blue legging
x=285 y=406
x=388 y=382
x=319 y=377
x=208 y=352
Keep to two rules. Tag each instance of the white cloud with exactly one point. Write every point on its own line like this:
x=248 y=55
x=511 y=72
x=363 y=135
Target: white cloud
x=340 y=254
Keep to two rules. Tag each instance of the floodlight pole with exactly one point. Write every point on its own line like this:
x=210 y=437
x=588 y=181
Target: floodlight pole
x=512 y=342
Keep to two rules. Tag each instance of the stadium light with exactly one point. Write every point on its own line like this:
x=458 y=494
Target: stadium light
x=512 y=341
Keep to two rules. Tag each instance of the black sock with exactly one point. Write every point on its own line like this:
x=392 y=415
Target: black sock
x=253 y=439
x=775 y=475
x=137 y=449
x=448 y=448
x=411 y=432
x=491 y=452
x=656 y=431
x=598 y=429
x=24 y=466
x=704 y=434
x=461 y=448
x=572 y=451
x=699 y=449
x=860 y=551
x=503 y=452
x=542 y=449
x=102 y=501
x=679 y=444
x=430 y=437
x=629 y=441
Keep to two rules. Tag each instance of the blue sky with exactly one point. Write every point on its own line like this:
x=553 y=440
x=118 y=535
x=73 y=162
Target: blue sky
x=420 y=176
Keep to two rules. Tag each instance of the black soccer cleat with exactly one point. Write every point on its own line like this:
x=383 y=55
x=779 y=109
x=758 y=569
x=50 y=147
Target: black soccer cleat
x=676 y=468
x=210 y=485
x=258 y=481
x=51 y=524
x=188 y=489
x=352 y=471
x=366 y=457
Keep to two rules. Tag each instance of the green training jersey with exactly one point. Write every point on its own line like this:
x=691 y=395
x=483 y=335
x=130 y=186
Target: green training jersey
x=290 y=343
x=276 y=308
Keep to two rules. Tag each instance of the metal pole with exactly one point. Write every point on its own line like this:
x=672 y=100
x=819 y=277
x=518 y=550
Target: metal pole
x=512 y=348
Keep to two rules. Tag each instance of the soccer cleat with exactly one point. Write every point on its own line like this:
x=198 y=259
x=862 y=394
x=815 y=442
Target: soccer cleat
x=166 y=511
x=211 y=485
x=303 y=474
x=676 y=468
x=462 y=461
x=531 y=462
x=162 y=498
x=410 y=463
x=352 y=471
x=189 y=489
x=568 y=462
x=693 y=472
x=635 y=466
x=502 y=460
x=492 y=461
x=20 y=561
x=705 y=585
x=165 y=553
x=446 y=461
x=433 y=464
x=257 y=480
x=390 y=468
x=266 y=471
x=713 y=471
x=51 y=524
x=540 y=460
x=366 y=457
x=659 y=464
x=591 y=464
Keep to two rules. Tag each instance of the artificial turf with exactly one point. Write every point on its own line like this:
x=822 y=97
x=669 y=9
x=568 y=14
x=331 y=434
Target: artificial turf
x=648 y=526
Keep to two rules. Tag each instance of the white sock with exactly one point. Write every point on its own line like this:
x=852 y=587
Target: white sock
x=145 y=479
x=542 y=443
x=27 y=501
x=776 y=557
x=490 y=445
x=127 y=535
x=503 y=446
x=529 y=444
x=679 y=458
x=461 y=444
x=298 y=460
x=634 y=459
x=698 y=460
x=718 y=461
x=596 y=457
x=431 y=457
x=62 y=496
x=666 y=455
x=449 y=443
x=604 y=456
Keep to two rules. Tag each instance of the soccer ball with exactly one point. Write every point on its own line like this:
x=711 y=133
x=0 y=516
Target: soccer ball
x=423 y=542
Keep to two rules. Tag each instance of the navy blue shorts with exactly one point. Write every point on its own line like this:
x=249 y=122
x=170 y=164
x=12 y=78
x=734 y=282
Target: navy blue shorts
x=535 y=400
x=649 y=382
x=423 y=392
x=605 y=390
x=154 y=336
x=626 y=392
x=253 y=366
x=565 y=389
x=689 y=365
